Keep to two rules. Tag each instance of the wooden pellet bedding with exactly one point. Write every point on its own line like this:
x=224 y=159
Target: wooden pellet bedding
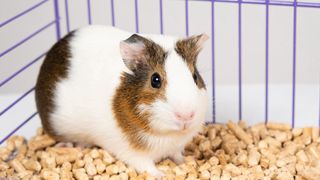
x=231 y=151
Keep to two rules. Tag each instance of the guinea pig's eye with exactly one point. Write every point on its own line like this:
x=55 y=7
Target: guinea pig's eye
x=155 y=80
x=195 y=77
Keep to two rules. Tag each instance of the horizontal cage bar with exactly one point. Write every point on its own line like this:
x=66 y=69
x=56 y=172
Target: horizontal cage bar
x=274 y=2
x=23 y=13
x=18 y=127
x=21 y=70
x=16 y=101
x=27 y=38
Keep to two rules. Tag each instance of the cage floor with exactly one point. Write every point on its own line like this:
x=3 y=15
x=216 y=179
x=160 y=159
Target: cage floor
x=233 y=151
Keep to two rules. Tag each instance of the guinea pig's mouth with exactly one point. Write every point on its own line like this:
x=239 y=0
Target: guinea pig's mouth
x=182 y=126
x=176 y=128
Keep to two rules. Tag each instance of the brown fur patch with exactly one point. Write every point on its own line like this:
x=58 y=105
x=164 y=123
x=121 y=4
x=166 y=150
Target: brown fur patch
x=134 y=90
x=188 y=49
x=53 y=69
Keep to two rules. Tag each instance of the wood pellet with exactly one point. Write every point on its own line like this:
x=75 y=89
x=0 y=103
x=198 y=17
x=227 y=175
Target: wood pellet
x=232 y=151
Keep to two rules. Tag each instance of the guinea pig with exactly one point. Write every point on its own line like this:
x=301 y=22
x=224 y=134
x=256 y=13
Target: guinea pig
x=140 y=97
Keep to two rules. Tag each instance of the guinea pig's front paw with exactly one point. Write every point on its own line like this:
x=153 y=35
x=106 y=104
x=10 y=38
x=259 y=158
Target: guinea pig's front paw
x=157 y=174
x=145 y=164
x=177 y=158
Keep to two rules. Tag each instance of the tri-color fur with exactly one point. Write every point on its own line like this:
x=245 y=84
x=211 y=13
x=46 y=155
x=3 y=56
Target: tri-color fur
x=94 y=87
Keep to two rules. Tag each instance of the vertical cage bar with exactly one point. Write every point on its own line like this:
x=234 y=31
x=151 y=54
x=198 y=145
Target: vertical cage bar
x=239 y=61
x=137 y=15
x=89 y=12
x=161 y=17
x=187 y=16
x=67 y=15
x=57 y=19
x=294 y=60
x=319 y=105
x=267 y=62
x=213 y=63
x=112 y=14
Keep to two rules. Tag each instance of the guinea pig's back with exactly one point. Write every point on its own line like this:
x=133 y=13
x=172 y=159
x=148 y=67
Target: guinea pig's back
x=77 y=82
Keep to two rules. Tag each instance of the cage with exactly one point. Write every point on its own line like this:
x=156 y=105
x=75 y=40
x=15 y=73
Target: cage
x=262 y=62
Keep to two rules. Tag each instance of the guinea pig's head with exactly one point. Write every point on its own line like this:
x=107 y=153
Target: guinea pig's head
x=164 y=92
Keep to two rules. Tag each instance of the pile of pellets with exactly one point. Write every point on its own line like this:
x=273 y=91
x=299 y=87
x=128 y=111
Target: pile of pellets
x=231 y=151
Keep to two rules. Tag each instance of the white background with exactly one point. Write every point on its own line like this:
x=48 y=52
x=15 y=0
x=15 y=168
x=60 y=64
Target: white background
x=307 y=108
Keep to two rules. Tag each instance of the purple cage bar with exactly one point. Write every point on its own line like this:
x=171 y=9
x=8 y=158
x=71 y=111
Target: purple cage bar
x=240 y=56
x=112 y=14
x=66 y=5
x=136 y=12
x=161 y=16
x=56 y=15
x=56 y=22
x=22 y=13
x=89 y=12
x=294 y=60
x=267 y=62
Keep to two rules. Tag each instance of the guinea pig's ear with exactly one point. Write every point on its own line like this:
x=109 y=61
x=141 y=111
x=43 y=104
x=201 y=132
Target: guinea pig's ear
x=190 y=47
x=133 y=51
x=196 y=42
x=200 y=40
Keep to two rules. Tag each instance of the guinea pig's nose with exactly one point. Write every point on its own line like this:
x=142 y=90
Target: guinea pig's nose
x=184 y=116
